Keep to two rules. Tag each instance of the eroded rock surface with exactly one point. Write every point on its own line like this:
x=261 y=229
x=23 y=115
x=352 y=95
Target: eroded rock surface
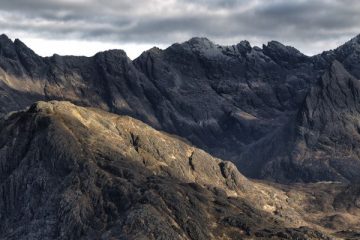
x=69 y=172
x=223 y=99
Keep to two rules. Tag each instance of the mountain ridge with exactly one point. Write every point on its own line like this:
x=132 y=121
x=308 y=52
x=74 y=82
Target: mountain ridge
x=223 y=99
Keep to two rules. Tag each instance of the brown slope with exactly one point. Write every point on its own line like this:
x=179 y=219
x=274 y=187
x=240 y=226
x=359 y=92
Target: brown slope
x=69 y=172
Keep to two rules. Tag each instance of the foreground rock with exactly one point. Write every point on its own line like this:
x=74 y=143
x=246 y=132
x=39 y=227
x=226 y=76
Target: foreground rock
x=69 y=172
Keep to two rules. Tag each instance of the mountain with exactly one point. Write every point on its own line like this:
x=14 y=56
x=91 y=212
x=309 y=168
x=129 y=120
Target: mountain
x=321 y=142
x=227 y=100
x=70 y=172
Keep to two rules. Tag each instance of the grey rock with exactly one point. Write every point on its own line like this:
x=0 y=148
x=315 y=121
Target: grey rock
x=69 y=172
x=223 y=99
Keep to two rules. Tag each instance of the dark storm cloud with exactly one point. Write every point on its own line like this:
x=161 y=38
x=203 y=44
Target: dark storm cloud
x=297 y=22
x=322 y=15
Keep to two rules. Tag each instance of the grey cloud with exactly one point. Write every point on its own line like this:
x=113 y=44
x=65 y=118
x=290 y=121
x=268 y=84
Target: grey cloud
x=297 y=22
x=211 y=4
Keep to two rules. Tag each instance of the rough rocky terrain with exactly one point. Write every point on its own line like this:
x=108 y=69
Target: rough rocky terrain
x=319 y=143
x=227 y=100
x=70 y=172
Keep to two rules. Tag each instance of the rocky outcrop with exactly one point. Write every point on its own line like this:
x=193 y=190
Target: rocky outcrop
x=329 y=126
x=69 y=172
x=321 y=142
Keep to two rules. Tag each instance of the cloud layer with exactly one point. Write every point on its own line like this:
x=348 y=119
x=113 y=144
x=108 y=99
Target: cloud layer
x=309 y=25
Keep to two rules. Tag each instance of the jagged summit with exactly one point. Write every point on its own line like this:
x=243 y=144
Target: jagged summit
x=18 y=42
x=5 y=41
x=244 y=45
x=277 y=46
x=200 y=41
x=282 y=53
x=202 y=46
x=4 y=38
x=155 y=50
x=113 y=53
x=7 y=47
x=355 y=41
x=273 y=49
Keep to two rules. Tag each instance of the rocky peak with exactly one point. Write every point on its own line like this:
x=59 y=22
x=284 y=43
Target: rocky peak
x=203 y=46
x=21 y=47
x=16 y=58
x=114 y=53
x=244 y=46
x=349 y=55
x=154 y=50
x=29 y=59
x=354 y=42
x=7 y=48
x=347 y=49
x=283 y=54
x=113 y=57
x=276 y=46
x=4 y=38
x=200 y=42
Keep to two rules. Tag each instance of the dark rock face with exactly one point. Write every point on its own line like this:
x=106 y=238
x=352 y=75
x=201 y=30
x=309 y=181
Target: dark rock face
x=320 y=143
x=329 y=126
x=224 y=99
x=73 y=173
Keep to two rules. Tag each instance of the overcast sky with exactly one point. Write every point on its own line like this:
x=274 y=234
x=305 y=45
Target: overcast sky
x=84 y=27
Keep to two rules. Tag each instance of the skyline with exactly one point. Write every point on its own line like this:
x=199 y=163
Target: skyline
x=45 y=47
x=84 y=27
